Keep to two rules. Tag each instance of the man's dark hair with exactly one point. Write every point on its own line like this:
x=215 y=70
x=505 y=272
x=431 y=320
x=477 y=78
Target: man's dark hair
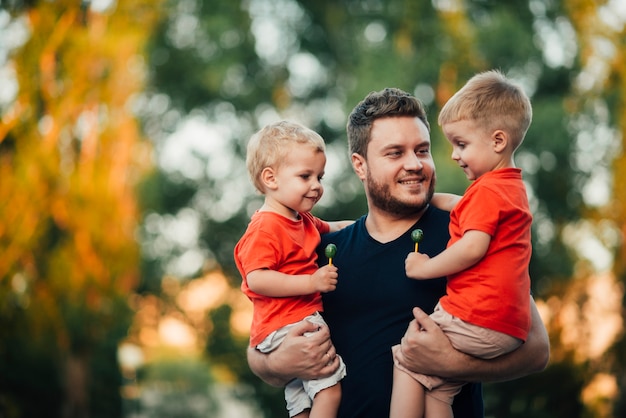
x=386 y=103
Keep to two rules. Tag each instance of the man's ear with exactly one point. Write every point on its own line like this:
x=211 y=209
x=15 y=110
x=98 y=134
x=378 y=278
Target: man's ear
x=500 y=139
x=268 y=177
x=359 y=165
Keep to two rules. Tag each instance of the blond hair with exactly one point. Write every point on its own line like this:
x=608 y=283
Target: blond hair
x=493 y=102
x=270 y=145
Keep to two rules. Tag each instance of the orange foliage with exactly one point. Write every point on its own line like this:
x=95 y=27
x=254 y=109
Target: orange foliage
x=619 y=165
x=70 y=155
x=586 y=18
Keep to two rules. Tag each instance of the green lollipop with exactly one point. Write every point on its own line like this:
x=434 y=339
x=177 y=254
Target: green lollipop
x=330 y=251
x=417 y=236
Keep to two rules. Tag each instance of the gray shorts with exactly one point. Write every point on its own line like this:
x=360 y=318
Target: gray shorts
x=299 y=393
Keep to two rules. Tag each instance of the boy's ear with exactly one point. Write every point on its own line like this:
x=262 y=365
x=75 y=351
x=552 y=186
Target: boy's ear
x=500 y=140
x=268 y=177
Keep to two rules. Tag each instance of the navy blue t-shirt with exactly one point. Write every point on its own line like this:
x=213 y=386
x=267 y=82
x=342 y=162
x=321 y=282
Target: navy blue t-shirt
x=372 y=306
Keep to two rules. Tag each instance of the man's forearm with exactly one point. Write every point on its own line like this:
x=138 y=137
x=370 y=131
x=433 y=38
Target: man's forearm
x=306 y=353
x=260 y=365
x=531 y=357
x=426 y=349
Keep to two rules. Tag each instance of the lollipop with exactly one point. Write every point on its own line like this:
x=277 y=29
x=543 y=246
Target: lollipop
x=331 y=250
x=417 y=236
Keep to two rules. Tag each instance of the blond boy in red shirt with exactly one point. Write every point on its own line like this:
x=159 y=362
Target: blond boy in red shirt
x=485 y=312
x=276 y=255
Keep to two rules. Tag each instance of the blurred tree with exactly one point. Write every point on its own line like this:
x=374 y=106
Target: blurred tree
x=232 y=66
x=601 y=95
x=70 y=156
x=224 y=348
x=177 y=388
x=220 y=69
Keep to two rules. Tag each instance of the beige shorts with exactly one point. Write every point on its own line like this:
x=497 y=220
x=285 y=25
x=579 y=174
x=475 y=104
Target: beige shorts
x=465 y=337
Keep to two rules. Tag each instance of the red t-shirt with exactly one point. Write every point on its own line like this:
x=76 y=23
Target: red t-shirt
x=495 y=292
x=277 y=243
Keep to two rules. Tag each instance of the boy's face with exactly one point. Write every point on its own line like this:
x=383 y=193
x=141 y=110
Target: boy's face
x=476 y=150
x=298 y=184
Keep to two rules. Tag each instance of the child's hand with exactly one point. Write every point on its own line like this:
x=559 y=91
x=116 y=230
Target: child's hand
x=414 y=265
x=325 y=279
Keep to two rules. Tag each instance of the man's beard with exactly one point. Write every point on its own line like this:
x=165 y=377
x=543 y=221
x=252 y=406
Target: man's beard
x=381 y=197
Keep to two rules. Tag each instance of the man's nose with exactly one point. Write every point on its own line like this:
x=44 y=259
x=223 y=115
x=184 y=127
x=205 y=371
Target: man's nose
x=413 y=162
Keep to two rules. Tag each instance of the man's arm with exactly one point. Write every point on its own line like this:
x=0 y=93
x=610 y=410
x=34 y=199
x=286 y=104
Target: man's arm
x=307 y=357
x=426 y=349
x=338 y=225
x=445 y=201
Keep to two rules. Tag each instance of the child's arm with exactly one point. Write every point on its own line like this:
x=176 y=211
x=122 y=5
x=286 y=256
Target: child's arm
x=337 y=225
x=462 y=254
x=273 y=283
x=445 y=201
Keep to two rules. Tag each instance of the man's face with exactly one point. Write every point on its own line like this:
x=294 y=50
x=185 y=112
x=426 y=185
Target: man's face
x=399 y=172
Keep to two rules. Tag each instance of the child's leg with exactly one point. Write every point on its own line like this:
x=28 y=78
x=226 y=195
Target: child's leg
x=435 y=408
x=303 y=414
x=326 y=402
x=407 y=397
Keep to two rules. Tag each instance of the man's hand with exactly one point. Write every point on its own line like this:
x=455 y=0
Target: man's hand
x=306 y=357
x=426 y=349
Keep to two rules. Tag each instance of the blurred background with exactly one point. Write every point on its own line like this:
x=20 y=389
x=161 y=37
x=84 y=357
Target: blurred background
x=123 y=187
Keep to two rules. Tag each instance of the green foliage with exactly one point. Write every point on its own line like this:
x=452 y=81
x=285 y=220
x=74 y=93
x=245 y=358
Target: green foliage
x=197 y=44
x=223 y=348
x=177 y=388
x=537 y=396
x=30 y=370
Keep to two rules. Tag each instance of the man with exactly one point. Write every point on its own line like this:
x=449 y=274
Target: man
x=370 y=309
